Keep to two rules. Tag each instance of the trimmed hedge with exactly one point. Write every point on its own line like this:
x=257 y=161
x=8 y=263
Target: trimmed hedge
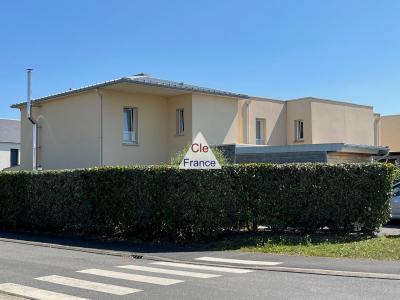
x=397 y=174
x=166 y=203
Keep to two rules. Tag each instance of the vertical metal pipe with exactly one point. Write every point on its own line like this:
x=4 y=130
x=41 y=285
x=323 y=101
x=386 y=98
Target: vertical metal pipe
x=34 y=147
x=32 y=120
x=29 y=106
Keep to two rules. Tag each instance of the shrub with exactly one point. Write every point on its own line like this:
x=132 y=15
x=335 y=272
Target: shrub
x=397 y=174
x=166 y=203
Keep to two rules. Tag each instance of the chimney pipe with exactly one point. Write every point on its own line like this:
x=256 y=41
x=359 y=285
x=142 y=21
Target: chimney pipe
x=31 y=119
x=28 y=102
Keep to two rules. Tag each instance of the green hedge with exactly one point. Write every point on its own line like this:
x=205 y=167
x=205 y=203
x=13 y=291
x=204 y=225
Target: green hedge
x=397 y=174
x=165 y=203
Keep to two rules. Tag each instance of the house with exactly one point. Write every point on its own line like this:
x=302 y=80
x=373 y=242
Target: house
x=9 y=143
x=145 y=120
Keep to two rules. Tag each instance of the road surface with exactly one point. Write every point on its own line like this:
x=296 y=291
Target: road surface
x=50 y=273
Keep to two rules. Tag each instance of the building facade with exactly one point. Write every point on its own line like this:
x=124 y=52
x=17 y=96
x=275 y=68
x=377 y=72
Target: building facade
x=9 y=143
x=144 y=120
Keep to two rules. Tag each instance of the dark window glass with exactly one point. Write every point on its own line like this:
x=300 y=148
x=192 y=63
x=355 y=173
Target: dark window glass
x=14 y=157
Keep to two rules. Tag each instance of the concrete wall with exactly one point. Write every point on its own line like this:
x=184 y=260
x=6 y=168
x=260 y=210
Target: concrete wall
x=215 y=117
x=69 y=133
x=334 y=122
x=5 y=154
x=390 y=132
x=274 y=113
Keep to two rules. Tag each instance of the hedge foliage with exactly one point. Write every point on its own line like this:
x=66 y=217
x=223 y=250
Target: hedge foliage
x=397 y=174
x=166 y=203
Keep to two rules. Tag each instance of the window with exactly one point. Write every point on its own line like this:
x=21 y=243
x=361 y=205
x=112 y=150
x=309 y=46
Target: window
x=299 y=130
x=260 y=131
x=130 y=125
x=180 y=121
x=14 y=157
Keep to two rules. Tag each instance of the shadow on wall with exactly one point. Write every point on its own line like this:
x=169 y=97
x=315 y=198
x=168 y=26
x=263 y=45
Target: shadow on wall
x=279 y=131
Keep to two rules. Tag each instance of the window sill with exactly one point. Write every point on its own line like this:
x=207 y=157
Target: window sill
x=298 y=141
x=129 y=144
x=179 y=134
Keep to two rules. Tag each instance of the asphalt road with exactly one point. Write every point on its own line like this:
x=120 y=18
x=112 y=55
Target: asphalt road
x=38 y=271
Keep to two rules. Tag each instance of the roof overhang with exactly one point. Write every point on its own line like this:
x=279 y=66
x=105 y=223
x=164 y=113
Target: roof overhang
x=140 y=85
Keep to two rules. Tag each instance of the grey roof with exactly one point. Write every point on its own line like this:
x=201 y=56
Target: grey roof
x=142 y=79
x=10 y=131
x=328 y=147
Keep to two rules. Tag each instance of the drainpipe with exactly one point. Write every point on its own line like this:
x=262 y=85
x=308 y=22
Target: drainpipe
x=32 y=120
x=100 y=94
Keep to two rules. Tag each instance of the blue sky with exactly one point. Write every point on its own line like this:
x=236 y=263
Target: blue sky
x=344 y=50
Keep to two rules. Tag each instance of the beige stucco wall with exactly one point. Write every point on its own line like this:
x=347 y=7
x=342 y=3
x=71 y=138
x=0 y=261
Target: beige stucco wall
x=152 y=129
x=69 y=133
x=5 y=154
x=70 y=130
x=178 y=142
x=299 y=110
x=215 y=117
x=274 y=113
x=342 y=123
x=26 y=140
x=390 y=132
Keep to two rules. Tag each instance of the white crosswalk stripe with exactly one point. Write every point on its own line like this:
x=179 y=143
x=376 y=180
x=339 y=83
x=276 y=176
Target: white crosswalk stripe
x=202 y=267
x=89 y=285
x=131 y=277
x=172 y=268
x=171 y=272
x=34 y=293
x=239 y=261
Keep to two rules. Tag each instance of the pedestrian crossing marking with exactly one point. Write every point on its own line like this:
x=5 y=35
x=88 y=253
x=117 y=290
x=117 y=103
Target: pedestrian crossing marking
x=89 y=285
x=34 y=293
x=131 y=277
x=202 y=267
x=239 y=261
x=168 y=271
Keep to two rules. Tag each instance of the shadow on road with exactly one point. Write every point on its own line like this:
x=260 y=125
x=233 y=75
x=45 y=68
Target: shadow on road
x=93 y=243
x=229 y=241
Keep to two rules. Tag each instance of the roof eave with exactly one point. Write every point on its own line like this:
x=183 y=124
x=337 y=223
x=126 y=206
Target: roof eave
x=127 y=79
x=71 y=92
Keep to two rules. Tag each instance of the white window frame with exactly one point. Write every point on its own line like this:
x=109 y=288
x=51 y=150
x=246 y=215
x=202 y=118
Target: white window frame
x=180 y=121
x=130 y=136
x=299 y=130
x=261 y=139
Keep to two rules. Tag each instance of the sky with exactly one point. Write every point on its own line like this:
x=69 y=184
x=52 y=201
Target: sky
x=344 y=50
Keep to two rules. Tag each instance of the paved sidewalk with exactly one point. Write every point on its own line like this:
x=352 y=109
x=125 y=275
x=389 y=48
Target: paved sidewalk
x=390 y=230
